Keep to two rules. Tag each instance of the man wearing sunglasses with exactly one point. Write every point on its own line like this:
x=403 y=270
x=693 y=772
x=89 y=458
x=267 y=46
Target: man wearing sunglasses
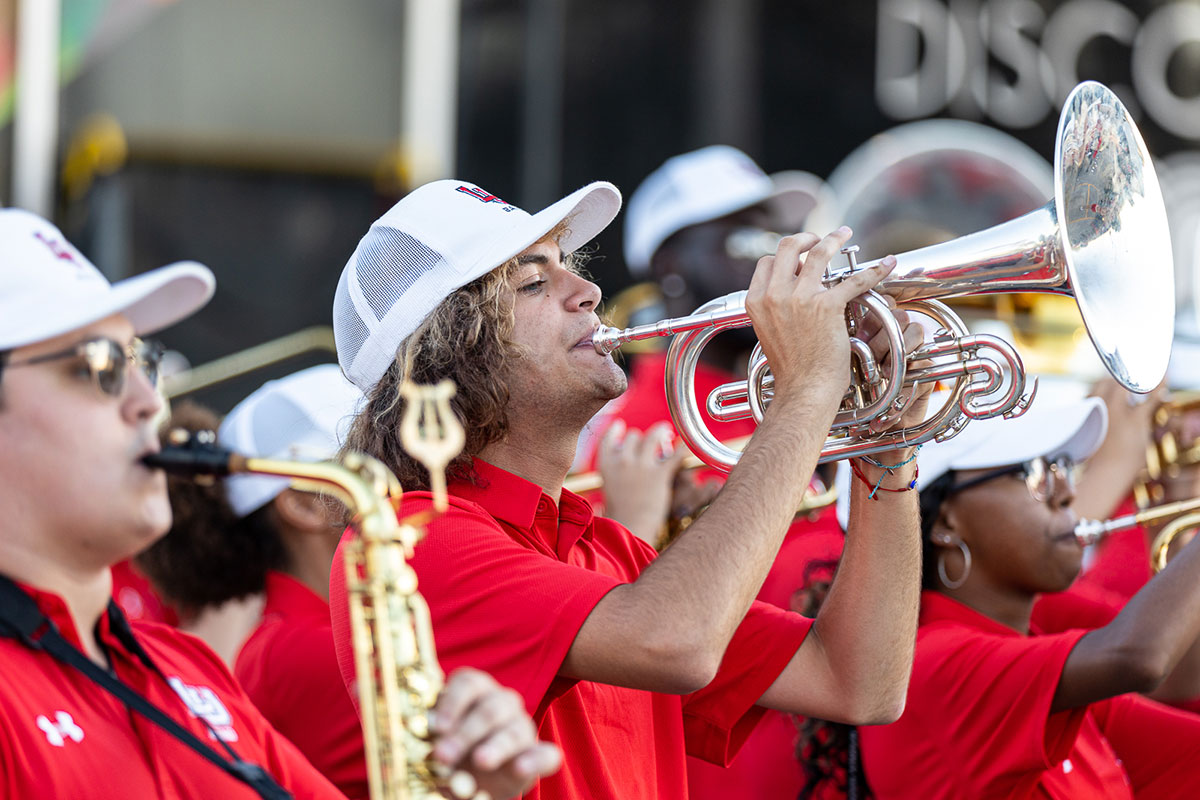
x=90 y=706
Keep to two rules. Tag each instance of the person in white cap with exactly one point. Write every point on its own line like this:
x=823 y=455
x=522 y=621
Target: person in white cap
x=625 y=659
x=996 y=708
x=280 y=541
x=91 y=706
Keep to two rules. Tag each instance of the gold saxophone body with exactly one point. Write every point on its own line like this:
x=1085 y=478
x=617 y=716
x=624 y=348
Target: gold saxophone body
x=396 y=665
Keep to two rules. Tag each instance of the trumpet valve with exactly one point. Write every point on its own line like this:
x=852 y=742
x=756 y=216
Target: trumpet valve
x=850 y=252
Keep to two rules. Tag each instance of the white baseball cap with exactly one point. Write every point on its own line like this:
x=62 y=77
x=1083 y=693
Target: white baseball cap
x=700 y=186
x=303 y=417
x=48 y=288
x=1075 y=429
x=439 y=238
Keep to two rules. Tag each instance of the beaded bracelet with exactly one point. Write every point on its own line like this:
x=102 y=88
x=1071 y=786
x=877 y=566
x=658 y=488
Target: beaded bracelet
x=888 y=470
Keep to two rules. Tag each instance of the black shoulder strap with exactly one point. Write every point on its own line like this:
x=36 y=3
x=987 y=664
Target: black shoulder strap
x=20 y=618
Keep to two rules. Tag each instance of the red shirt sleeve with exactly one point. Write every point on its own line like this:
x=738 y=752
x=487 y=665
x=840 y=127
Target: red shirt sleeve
x=978 y=714
x=1158 y=745
x=1012 y=681
x=497 y=605
x=720 y=717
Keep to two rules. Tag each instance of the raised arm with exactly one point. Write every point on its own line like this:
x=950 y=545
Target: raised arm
x=855 y=664
x=1113 y=469
x=668 y=630
x=1143 y=644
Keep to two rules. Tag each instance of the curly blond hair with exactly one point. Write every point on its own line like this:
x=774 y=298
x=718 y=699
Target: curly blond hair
x=468 y=339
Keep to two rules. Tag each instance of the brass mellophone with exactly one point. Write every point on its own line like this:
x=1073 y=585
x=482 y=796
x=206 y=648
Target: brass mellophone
x=1185 y=514
x=1102 y=239
x=396 y=665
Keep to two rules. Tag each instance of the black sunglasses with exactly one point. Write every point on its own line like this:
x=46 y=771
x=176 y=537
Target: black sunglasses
x=108 y=361
x=1043 y=477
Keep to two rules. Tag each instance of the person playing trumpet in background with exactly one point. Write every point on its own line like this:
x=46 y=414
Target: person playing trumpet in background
x=625 y=659
x=252 y=534
x=996 y=707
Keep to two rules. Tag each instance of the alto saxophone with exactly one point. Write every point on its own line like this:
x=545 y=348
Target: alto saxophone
x=396 y=666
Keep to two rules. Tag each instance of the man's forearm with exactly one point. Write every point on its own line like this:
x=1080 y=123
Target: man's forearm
x=856 y=664
x=708 y=578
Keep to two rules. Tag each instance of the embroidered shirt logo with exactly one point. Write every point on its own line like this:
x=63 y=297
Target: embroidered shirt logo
x=484 y=197
x=203 y=703
x=61 y=729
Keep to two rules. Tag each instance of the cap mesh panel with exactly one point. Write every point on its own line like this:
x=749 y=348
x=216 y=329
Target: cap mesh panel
x=389 y=263
x=349 y=331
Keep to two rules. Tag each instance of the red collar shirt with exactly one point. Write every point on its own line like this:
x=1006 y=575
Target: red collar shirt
x=766 y=767
x=510 y=577
x=63 y=736
x=978 y=724
x=289 y=669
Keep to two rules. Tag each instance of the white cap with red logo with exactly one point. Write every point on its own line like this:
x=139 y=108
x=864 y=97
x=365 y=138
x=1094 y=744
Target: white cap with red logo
x=701 y=186
x=439 y=238
x=48 y=288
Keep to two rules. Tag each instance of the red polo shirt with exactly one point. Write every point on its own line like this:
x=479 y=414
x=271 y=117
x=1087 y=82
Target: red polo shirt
x=63 y=736
x=978 y=723
x=766 y=768
x=290 y=670
x=510 y=577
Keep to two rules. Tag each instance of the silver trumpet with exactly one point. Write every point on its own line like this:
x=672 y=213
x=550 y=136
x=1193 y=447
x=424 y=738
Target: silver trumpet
x=1102 y=239
x=1183 y=516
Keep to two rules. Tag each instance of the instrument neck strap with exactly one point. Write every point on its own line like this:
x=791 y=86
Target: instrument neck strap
x=20 y=618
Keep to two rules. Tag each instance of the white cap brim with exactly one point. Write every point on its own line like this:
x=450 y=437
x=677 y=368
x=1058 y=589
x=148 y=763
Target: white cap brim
x=151 y=301
x=590 y=210
x=1074 y=429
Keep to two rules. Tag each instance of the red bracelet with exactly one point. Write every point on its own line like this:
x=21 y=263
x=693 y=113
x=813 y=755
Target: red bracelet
x=878 y=485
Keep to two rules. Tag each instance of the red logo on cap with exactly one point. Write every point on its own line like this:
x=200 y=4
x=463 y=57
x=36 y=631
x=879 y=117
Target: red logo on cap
x=56 y=247
x=481 y=195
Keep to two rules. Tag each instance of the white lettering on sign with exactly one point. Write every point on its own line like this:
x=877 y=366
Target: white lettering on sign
x=1009 y=61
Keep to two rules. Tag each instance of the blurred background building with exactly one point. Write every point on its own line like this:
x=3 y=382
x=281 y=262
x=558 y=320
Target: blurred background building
x=262 y=137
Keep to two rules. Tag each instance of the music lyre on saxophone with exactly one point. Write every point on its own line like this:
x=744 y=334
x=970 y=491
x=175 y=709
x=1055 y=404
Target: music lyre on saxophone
x=399 y=678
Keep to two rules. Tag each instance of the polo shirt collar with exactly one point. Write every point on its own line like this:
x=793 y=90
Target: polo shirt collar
x=505 y=496
x=110 y=629
x=290 y=597
x=937 y=607
x=518 y=502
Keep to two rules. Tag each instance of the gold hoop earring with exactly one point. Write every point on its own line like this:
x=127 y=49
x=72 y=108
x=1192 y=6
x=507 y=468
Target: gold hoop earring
x=941 y=566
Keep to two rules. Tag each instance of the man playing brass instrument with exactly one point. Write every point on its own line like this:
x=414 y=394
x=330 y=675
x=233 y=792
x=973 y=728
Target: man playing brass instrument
x=92 y=706
x=625 y=660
